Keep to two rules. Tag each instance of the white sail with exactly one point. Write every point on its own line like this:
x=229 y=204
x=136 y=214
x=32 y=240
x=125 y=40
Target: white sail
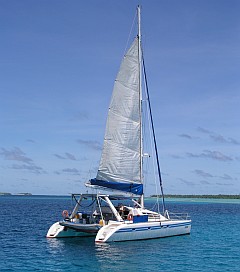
x=120 y=161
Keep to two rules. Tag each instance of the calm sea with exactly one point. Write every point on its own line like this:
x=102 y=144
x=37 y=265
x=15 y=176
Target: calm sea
x=212 y=246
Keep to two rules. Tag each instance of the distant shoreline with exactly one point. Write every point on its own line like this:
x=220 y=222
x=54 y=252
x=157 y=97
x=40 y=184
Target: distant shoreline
x=220 y=196
x=18 y=194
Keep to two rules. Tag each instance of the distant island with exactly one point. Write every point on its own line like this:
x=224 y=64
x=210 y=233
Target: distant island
x=5 y=194
x=220 y=196
x=18 y=194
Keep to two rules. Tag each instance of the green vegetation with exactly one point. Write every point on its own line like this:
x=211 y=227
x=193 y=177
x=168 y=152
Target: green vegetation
x=5 y=194
x=220 y=196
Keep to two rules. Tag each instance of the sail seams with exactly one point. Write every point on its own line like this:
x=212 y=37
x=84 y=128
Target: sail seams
x=120 y=145
x=120 y=115
x=127 y=85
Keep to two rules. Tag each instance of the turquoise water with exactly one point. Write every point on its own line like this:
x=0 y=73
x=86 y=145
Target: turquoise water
x=212 y=246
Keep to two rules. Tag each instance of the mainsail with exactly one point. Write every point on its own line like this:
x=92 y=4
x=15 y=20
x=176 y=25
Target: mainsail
x=120 y=165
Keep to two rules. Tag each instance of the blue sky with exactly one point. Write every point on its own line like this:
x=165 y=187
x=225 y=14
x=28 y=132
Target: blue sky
x=58 y=62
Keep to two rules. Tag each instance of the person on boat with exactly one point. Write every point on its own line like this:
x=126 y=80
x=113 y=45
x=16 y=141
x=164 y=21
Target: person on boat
x=76 y=218
x=121 y=210
x=65 y=215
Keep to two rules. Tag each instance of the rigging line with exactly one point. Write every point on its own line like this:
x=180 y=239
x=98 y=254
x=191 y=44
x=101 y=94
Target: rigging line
x=154 y=165
x=149 y=145
x=153 y=131
x=131 y=30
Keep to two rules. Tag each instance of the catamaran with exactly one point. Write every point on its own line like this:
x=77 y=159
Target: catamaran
x=121 y=167
x=90 y=213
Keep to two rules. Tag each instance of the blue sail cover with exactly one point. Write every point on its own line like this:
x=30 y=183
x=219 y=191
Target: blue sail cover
x=133 y=188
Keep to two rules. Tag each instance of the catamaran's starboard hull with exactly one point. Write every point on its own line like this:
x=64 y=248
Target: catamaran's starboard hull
x=58 y=231
x=139 y=231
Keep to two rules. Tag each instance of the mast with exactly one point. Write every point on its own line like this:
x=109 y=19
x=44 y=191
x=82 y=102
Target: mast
x=140 y=97
x=141 y=63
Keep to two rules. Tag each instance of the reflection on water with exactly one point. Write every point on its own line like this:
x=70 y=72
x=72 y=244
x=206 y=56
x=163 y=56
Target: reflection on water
x=55 y=244
x=77 y=243
x=133 y=255
x=114 y=255
x=84 y=253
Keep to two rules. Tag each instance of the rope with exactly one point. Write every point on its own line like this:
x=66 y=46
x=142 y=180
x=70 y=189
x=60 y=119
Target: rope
x=131 y=30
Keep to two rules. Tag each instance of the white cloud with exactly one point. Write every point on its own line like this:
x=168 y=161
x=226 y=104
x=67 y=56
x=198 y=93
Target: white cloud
x=16 y=154
x=215 y=155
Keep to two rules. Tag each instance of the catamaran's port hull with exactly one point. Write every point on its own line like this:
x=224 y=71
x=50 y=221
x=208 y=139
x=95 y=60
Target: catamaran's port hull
x=142 y=231
x=59 y=231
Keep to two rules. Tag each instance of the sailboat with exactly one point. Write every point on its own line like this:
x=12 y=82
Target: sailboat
x=121 y=169
x=121 y=165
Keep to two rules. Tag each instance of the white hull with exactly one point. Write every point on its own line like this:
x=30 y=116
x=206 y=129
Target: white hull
x=58 y=231
x=117 y=231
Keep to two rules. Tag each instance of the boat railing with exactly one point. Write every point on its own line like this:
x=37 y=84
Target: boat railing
x=178 y=216
x=154 y=217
